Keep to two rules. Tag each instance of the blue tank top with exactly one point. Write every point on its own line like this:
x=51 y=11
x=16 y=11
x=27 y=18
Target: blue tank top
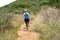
x=26 y=16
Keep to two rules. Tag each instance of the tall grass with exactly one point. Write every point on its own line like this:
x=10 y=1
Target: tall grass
x=9 y=23
x=49 y=26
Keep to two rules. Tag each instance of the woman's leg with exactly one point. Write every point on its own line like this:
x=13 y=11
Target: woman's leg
x=27 y=23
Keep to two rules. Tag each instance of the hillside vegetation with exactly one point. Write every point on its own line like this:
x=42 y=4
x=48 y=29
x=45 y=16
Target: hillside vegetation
x=31 y=5
x=48 y=24
x=11 y=16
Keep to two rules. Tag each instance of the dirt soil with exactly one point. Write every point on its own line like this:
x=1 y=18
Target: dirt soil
x=24 y=34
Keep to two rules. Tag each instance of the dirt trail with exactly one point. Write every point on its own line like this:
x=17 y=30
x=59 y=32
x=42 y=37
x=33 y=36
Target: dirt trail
x=24 y=34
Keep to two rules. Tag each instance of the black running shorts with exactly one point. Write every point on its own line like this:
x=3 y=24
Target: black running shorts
x=26 y=20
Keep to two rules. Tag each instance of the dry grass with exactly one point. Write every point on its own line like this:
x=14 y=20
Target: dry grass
x=47 y=24
x=8 y=32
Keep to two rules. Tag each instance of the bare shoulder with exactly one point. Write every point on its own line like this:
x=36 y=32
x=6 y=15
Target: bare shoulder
x=27 y=13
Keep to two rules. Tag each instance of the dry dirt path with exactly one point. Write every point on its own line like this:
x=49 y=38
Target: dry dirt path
x=24 y=34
